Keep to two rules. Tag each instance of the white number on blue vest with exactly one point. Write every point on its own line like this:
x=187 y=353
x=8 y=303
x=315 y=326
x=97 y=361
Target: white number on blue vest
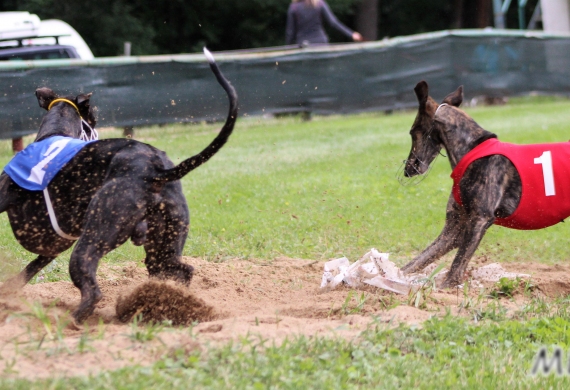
x=37 y=174
x=546 y=161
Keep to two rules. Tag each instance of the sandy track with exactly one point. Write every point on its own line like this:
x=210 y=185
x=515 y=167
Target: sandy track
x=267 y=300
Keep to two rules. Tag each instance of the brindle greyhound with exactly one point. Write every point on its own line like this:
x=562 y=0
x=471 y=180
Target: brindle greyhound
x=112 y=190
x=490 y=188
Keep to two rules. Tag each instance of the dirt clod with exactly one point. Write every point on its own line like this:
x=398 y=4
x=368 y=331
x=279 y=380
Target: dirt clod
x=163 y=301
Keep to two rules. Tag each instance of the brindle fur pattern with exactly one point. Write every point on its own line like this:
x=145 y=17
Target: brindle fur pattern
x=490 y=187
x=112 y=190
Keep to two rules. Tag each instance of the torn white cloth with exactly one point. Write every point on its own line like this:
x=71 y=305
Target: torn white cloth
x=375 y=269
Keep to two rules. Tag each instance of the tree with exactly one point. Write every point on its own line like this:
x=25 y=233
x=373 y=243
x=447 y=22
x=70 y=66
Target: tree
x=457 y=14
x=367 y=19
x=405 y=17
x=182 y=26
x=104 y=24
x=175 y=26
x=484 y=11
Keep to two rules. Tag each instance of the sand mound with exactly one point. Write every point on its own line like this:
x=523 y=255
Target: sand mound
x=159 y=301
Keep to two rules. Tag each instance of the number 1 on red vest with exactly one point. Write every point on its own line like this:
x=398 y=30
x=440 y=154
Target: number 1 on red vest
x=546 y=161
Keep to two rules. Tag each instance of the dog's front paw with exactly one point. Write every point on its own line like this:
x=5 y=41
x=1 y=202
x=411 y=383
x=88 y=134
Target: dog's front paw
x=178 y=272
x=409 y=268
x=74 y=325
x=184 y=274
x=450 y=283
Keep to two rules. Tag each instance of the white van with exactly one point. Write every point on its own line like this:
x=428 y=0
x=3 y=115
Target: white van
x=23 y=36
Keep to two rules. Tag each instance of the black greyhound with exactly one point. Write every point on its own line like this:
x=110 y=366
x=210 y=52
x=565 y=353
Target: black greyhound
x=112 y=190
x=490 y=188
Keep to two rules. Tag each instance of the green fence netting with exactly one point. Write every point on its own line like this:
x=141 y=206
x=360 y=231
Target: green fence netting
x=334 y=79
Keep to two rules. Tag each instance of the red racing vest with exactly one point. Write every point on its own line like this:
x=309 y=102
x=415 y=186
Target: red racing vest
x=544 y=170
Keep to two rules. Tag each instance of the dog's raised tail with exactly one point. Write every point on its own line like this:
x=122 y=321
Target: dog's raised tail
x=182 y=169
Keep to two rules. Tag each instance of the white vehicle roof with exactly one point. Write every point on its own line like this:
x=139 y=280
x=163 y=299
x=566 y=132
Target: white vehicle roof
x=18 y=24
x=24 y=24
x=59 y=27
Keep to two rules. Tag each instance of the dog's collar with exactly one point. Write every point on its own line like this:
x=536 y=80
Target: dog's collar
x=66 y=101
x=441 y=105
x=93 y=136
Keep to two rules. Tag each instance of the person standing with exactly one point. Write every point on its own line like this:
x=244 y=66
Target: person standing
x=305 y=23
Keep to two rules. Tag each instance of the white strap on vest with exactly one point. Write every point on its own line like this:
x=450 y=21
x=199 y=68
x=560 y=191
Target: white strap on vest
x=53 y=219
x=94 y=136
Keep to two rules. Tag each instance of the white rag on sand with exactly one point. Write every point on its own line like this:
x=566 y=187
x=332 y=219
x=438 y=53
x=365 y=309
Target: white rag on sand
x=375 y=269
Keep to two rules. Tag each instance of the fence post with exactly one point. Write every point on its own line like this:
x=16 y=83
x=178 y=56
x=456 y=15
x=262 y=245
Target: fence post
x=128 y=131
x=17 y=144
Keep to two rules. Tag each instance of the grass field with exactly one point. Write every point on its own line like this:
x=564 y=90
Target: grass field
x=323 y=189
x=444 y=354
x=327 y=188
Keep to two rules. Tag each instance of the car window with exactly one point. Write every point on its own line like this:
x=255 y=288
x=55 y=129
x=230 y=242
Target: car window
x=41 y=55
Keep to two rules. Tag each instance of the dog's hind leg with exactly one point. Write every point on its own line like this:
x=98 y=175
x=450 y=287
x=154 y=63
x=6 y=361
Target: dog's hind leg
x=447 y=240
x=167 y=231
x=20 y=280
x=109 y=224
x=164 y=253
x=82 y=269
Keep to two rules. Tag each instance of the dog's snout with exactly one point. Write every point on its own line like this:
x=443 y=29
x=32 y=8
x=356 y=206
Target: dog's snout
x=412 y=167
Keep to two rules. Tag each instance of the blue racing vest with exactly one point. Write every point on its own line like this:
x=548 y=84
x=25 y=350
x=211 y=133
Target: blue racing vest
x=34 y=167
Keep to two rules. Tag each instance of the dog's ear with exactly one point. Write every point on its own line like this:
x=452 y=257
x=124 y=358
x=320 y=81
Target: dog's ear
x=87 y=112
x=45 y=97
x=83 y=99
x=455 y=98
x=422 y=92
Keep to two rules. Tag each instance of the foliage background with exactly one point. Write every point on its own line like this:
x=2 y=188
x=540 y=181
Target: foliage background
x=179 y=26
